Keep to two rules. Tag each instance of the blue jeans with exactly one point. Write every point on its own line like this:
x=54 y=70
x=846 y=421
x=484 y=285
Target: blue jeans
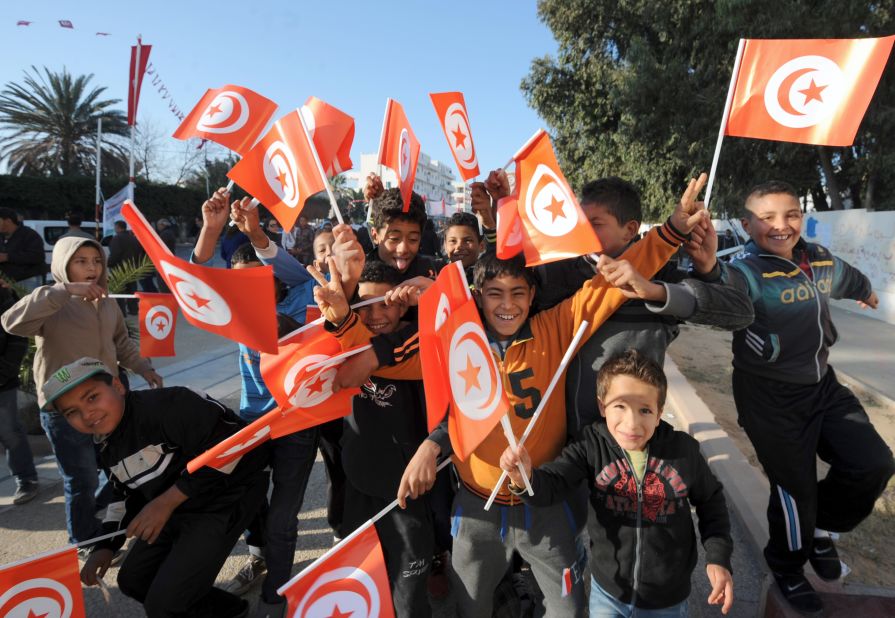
x=13 y=438
x=76 y=460
x=604 y=605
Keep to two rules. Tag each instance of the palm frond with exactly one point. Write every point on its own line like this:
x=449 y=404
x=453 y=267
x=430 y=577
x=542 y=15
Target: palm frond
x=127 y=272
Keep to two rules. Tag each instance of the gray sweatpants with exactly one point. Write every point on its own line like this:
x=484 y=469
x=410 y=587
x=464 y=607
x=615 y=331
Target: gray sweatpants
x=484 y=541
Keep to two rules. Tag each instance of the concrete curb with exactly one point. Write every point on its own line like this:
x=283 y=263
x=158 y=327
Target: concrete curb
x=861 y=389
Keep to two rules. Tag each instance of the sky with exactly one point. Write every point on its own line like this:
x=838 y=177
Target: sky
x=352 y=54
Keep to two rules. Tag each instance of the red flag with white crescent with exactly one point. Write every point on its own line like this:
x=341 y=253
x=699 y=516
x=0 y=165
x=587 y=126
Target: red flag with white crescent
x=139 y=60
x=158 y=320
x=236 y=304
x=399 y=149
x=351 y=581
x=280 y=170
x=509 y=228
x=48 y=586
x=810 y=91
x=232 y=116
x=332 y=131
x=451 y=110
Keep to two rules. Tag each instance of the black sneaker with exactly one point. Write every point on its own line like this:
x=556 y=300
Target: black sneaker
x=799 y=594
x=825 y=559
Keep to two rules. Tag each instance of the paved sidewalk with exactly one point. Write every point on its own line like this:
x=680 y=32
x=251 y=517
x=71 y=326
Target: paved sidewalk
x=865 y=352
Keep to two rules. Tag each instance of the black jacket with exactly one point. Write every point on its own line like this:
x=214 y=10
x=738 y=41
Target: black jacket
x=123 y=247
x=12 y=347
x=643 y=547
x=25 y=256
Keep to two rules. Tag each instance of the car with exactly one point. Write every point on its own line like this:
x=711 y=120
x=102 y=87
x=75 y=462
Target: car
x=51 y=231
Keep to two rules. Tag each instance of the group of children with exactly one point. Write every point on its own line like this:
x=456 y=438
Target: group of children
x=613 y=483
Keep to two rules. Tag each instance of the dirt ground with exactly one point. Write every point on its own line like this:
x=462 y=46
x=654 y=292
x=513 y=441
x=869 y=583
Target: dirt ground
x=703 y=355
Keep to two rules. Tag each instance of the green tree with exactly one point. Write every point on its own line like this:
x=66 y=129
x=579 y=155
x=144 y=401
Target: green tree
x=50 y=123
x=637 y=89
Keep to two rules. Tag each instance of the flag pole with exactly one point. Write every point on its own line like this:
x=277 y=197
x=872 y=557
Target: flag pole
x=562 y=367
x=329 y=189
x=511 y=439
x=727 y=104
x=321 y=319
x=131 y=183
x=99 y=150
x=52 y=552
x=351 y=536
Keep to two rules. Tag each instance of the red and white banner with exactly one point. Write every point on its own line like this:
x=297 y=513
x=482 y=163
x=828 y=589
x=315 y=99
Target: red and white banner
x=509 y=228
x=811 y=91
x=158 y=322
x=332 y=131
x=451 y=110
x=399 y=149
x=232 y=116
x=139 y=60
x=236 y=304
x=48 y=587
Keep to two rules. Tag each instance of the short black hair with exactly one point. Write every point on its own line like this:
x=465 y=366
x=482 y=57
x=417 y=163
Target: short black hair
x=322 y=231
x=121 y=225
x=389 y=207
x=771 y=187
x=464 y=219
x=74 y=219
x=9 y=213
x=245 y=254
x=618 y=196
x=636 y=365
x=380 y=272
x=489 y=267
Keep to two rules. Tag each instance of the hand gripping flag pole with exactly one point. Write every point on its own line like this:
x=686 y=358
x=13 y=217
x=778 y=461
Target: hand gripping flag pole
x=562 y=367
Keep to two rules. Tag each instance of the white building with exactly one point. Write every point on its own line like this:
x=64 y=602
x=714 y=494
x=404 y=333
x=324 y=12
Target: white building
x=434 y=179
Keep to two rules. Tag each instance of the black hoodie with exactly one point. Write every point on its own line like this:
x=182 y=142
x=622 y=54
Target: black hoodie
x=643 y=546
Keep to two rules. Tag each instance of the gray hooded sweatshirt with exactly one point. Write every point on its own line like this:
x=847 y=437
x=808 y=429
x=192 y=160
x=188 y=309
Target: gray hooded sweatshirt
x=66 y=327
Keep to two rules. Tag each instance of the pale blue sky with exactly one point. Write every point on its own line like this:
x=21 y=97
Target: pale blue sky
x=351 y=54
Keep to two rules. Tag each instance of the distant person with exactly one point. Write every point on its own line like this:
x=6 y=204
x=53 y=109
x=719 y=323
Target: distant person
x=429 y=244
x=21 y=248
x=125 y=248
x=169 y=236
x=274 y=231
x=74 y=227
x=300 y=241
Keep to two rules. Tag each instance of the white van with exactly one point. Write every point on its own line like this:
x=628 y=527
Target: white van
x=51 y=231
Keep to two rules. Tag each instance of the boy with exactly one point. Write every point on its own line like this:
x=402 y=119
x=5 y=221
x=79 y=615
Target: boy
x=185 y=524
x=463 y=241
x=69 y=319
x=788 y=399
x=642 y=477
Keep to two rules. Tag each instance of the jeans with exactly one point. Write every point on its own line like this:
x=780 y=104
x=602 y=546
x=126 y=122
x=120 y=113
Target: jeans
x=604 y=605
x=13 y=438
x=76 y=460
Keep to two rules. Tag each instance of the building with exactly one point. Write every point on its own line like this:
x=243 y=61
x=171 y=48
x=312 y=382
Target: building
x=434 y=179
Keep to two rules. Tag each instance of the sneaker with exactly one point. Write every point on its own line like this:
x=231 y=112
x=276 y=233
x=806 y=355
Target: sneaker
x=799 y=594
x=251 y=573
x=825 y=559
x=437 y=582
x=269 y=610
x=26 y=492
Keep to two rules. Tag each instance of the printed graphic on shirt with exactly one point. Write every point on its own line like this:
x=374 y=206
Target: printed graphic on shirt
x=378 y=395
x=663 y=490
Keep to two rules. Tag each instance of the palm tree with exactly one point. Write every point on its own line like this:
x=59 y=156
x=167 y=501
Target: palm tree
x=50 y=124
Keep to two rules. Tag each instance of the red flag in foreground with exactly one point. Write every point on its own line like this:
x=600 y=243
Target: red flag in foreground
x=350 y=581
x=332 y=131
x=280 y=170
x=450 y=291
x=48 y=586
x=231 y=116
x=509 y=228
x=811 y=91
x=451 y=110
x=236 y=304
x=399 y=149
x=158 y=319
x=554 y=224
x=139 y=60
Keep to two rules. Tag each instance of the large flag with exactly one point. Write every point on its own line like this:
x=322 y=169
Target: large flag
x=158 y=320
x=236 y=304
x=399 y=149
x=450 y=291
x=451 y=110
x=280 y=170
x=332 y=131
x=812 y=91
x=112 y=210
x=351 y=581
x=509 y=228
x=48 y=586
x=139 y=60
x=555 y=227
x=232 y=116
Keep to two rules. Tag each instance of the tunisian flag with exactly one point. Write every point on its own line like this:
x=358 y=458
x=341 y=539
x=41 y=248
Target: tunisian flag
x=555 y=227
x=451 y=110
x=139 y=60
x=509 y=228
x=47 y=586
x=232 y=116
x=332 y=131
x=811 y=91
x=348 y=580
x=450 y=290
x=158 y=319
x=399 y=149
x=236 y=304
x=280 y=170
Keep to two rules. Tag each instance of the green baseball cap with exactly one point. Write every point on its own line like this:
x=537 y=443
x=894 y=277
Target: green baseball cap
x=69 y=376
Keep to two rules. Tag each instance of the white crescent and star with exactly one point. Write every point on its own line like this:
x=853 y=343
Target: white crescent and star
x=456 y=124
x=40 y=596
x=228 y=112
x=281 y=173
x=474 y=382
x=314 y=388
x=404 y=155
x=804 y=91
x=548 y=203
x=340 y=593
x=159 y=322
x=196 y=298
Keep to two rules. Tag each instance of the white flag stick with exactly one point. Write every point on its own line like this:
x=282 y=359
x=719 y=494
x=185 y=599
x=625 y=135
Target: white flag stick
x=730 y=89
x=121 y=296
x=350 y=537
x=329 y=189
x=321 y=319
x=230 y=185
x=562 y=367
x=511 y=438
x=52 y=552
x=523 y=149
x=338 y=358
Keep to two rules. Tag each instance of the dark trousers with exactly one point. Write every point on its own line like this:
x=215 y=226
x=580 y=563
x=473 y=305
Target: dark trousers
x=330 y=435
x=175 y=575
x=407 y=545
x=790 y=425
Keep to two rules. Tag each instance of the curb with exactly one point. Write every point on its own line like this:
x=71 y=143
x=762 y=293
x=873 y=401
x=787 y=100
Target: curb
x=862 y=390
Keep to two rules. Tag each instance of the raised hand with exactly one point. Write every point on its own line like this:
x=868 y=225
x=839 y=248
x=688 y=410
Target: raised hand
x=482 y=205
x=497 y=184
x=215 y=212
x=688 y=211
x=329 y=295
x=247 y=221
x=703 y=246
x=373 y=187
x=623 y=275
